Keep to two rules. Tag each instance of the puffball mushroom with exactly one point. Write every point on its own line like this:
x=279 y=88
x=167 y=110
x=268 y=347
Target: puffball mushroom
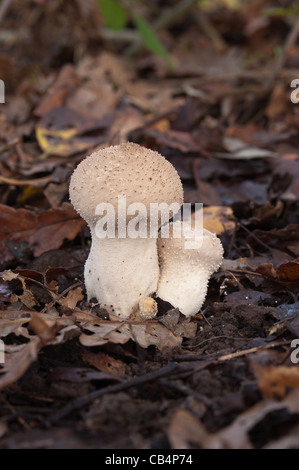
x=186 y=264
x=121 y=270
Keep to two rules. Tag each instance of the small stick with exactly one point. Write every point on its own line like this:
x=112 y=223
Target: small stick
x=184 y=390
x=3 y=8
x=290 y=41
x=220 y=357
x=86 y=399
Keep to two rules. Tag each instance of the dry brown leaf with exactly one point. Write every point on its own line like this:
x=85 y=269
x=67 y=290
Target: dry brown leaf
x=186 y=328
x=183 y=141
x=27 y=298
x=13 y=325
x=273 y=381
x=186 y=432
x=65 y=83
x=17 y=363
x=278 y=105
x=72 y=298
x=218 y=219
x=266 y=269
x=39 y=232
x=287 y=272
x=104 y=362
x=42 y=330
x=145 y=334
x=185 y=429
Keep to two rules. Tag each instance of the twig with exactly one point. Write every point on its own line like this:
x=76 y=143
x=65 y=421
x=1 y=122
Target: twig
x=184 y=390
x=254 y=237
x=170 y=16
x=3 y=8
x=220 y=357
x=59 y=296
x=210 y=32
x=290 y=41
x=245 y=352
x=86 y=399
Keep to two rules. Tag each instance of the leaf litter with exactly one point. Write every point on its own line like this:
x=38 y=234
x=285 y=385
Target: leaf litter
x=225 y=378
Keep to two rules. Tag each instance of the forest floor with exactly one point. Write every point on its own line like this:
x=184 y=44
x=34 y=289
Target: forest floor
x=223 y=116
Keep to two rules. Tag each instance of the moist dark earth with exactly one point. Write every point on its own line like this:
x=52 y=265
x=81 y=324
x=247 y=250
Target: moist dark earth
x=74 y=377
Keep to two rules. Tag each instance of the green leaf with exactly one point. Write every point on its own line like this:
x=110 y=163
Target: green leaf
x=150 y=38
x=115 y=15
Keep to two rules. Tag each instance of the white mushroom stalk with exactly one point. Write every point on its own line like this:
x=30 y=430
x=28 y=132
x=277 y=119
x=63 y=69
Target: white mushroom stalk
x=121 y=272
x=123 y=267
x=187 y=264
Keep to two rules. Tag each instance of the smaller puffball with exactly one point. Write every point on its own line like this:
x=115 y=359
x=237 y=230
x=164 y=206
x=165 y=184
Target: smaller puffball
x=186 y=265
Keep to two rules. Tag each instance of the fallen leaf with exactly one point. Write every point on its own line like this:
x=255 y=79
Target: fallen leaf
x=267 y=270
x=72 y=298
x=65 y=83
x=274 y=380
x=278 y=105
x=287 y=272
x=104 y=362
x=237 y=149
x=27 y=298
x=284 y=239
x=39 y=231
x=14 y=325
x=17 y=363
x=61 y=132
x=179 y=140
x=186 y=432
x=145 y=334
x=218 y=219
x=41 y=329
x=185 y=328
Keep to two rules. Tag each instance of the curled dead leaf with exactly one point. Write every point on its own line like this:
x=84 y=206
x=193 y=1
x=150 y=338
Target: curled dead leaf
x=27 y=298
x=145 y=334
x=274 y=380
x=42 y=330
x=36 y=231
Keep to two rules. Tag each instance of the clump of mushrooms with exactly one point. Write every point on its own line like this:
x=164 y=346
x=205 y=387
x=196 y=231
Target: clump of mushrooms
x=122 y=271
x=187 y=263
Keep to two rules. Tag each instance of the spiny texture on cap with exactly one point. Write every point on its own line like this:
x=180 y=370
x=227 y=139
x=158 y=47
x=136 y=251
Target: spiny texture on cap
x=185 y=272
x=140 y=174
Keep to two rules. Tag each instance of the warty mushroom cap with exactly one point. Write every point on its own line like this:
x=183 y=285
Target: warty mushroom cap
x=185 y=272
x=140 y=174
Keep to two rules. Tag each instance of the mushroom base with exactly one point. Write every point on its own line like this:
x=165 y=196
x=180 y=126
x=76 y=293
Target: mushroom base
x=120 y=272
x=186 y=291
